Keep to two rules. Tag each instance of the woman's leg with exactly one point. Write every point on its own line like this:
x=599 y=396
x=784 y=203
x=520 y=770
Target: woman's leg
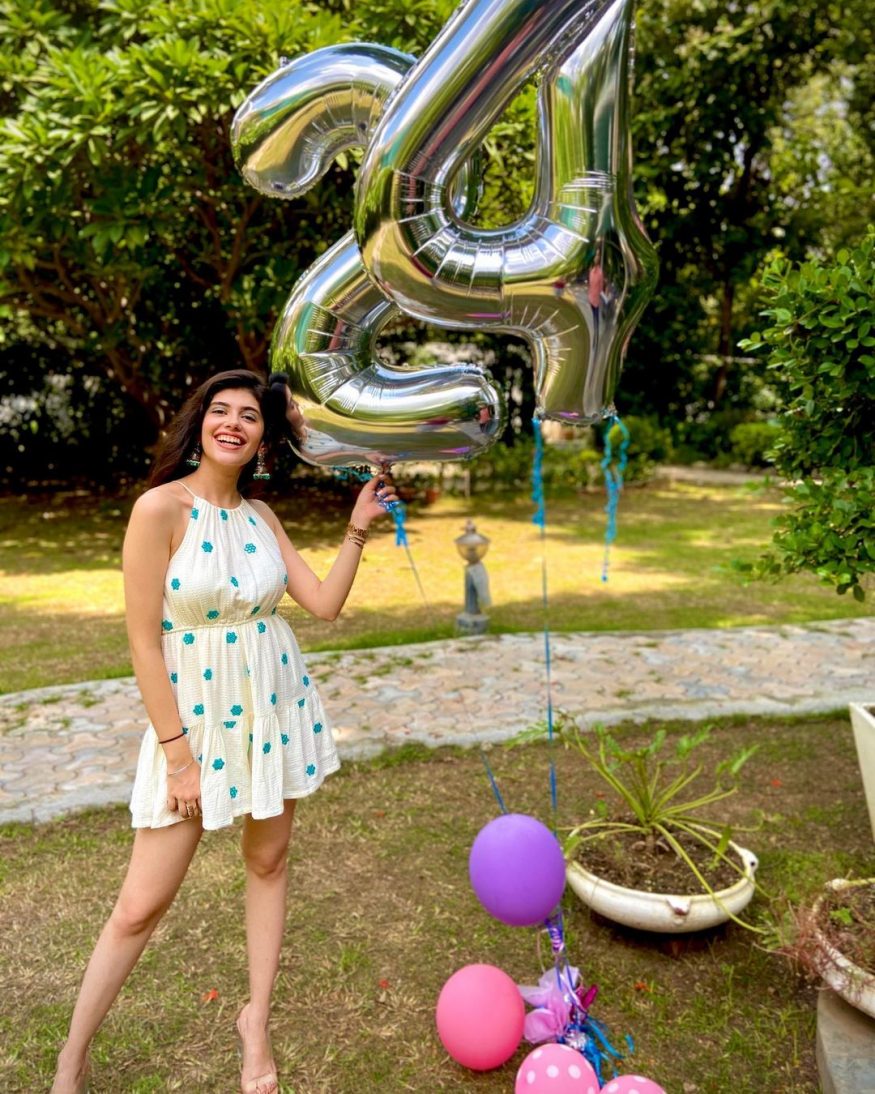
x=159 y=861
x=265 y=850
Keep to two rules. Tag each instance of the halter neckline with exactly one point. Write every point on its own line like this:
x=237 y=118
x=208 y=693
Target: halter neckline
x=227 y=508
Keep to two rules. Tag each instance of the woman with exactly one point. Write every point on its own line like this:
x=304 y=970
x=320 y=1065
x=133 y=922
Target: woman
x=236 y=727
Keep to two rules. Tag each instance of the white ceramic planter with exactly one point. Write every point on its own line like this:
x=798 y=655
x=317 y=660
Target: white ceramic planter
x=853 y=984
x=665 y=912
x=863 y=722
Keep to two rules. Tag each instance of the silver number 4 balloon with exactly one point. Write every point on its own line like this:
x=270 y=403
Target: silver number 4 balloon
x=571 y=277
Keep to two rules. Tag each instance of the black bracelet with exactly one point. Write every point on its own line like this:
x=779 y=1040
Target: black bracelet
x=169 y=739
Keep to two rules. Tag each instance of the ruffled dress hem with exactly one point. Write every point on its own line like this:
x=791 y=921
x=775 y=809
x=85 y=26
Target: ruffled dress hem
x=144 y=821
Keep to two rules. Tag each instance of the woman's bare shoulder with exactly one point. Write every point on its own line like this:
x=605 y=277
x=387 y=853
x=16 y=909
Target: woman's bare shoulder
x=162 y=502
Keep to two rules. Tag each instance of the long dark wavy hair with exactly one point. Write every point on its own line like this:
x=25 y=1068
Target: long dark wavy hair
x=184 y=432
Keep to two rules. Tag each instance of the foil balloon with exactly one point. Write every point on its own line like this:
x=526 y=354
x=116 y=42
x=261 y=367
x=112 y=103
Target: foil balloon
x=574 y=274
x=348 y=407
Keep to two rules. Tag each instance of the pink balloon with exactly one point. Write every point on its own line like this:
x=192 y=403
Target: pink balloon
x=632 y=1084
x=556 y=1069
x=480 y=1015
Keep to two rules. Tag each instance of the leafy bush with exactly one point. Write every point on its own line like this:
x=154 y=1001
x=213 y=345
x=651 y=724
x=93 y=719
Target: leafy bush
x=751 y=442
x=649 y=444
x=820 y=340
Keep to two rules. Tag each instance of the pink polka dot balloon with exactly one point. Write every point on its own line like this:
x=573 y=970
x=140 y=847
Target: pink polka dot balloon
x=555 y=1069
x=632 y=1084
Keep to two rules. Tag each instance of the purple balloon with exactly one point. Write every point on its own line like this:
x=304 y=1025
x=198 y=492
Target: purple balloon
x=517 y=870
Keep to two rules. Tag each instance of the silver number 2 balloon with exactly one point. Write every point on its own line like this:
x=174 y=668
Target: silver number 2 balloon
x=571 y=277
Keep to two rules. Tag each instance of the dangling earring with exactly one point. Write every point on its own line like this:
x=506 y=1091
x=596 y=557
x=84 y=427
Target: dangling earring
x=194 y=460
x=261 y=471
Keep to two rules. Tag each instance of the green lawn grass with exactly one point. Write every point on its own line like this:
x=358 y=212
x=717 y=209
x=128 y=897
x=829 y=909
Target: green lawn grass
x=61 y=610
x=381 y=913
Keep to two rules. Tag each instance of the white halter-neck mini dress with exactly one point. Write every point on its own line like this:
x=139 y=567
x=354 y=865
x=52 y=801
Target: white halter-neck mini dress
x=253 y=717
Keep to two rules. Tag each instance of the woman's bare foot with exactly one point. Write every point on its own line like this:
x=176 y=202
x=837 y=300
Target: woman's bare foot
x=258 y=1074
x=71 y=1074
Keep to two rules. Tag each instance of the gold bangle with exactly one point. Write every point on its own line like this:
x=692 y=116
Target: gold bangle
x=357 y=535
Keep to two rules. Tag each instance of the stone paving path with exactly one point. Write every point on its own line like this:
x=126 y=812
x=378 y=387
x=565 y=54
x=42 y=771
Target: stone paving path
x=76 y=745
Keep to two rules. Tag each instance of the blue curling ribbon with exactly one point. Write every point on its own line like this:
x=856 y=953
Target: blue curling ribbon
x=540 y=517
x=398 y=514
x=613 y=483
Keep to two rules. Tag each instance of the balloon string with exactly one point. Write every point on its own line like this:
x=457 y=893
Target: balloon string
x=397 y=511
x=613 y=483
x=540 y=519
x=596 y=1048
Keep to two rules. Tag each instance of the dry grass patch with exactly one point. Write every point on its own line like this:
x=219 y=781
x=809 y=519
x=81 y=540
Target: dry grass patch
x=381 y=913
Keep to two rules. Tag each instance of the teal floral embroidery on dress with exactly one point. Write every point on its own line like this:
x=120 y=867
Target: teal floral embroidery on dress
x=185 y=730
x=230 y=638
x=173 y=678
x=229 y=725
x=249 y=548
x=273 y=611
x=284 y=737
x=285 y=579
x=218 y=764
x=208 y=674
x=223 y=514
x=198 y=709
x=235 y=582
x=305 y=680
x=284 y=660
x=250 y=738
x=213 y=613
x=236 y=710
x=317 y=727
x=166 y=625
x=301 y=703
x=273 y=698
x=195 y=514
x=311 y=769
x=265 y=748
x=262 y=627
x=233 y=791
x=188 y=638
x=252 y=520
x=206 y=546
x=256 y=610
x=175 y=583
x=200 y=757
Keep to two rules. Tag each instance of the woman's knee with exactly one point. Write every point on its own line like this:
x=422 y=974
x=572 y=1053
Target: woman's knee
x=133 y=916
x=267 y=861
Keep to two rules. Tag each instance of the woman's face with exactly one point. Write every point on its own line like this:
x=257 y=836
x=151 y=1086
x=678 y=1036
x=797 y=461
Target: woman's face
x=233 y=428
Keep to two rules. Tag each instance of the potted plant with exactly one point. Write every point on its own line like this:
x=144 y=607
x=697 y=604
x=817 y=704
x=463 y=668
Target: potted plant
x=648 y=858
x=834 y=938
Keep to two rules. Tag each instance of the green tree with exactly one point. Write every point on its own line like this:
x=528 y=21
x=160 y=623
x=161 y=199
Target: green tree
x=820 y=339
x=712 y=82
x=126 y=234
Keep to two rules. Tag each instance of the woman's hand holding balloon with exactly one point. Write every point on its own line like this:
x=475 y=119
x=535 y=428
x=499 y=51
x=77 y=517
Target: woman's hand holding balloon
x=375 y=500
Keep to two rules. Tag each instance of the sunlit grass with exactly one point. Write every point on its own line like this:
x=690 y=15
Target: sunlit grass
x=61 y=604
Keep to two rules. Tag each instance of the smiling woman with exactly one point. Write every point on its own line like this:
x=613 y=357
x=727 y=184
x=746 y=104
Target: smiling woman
x=237 y=728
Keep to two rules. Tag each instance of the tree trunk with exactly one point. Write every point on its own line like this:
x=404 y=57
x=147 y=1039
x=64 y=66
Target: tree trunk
x=725 y=347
